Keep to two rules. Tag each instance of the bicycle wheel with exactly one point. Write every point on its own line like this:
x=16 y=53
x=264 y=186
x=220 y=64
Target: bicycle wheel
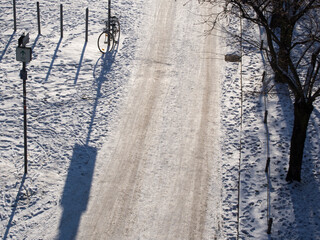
x=105 y=42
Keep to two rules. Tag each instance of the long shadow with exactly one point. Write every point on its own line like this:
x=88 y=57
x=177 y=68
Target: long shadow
x=35 y=42
x=305 y=196
x=76 y=190
x=107 y=61
x=6 y=48
x=14 y=208
x=53 y=59
x=316 y=113
x=80 y=174
x=80 y=63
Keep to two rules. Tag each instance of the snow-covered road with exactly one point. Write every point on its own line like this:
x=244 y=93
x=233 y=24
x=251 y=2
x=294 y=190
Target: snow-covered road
x=121 y=146
x=160 y=177
x=153 y=141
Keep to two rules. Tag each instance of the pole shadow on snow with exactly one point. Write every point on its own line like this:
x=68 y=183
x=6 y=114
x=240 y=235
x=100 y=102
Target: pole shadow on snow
x=80 y=62
x=53 y=59
x=80 y=173
x=14 y=208
x=6 y=48
x=35 y=42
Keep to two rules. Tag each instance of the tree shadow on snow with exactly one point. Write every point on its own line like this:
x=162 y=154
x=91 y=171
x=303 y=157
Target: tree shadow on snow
x=305 y=196
x=80 y=174
x=304 y=220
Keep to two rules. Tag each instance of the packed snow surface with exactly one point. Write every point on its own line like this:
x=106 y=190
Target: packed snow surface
x=159 y=139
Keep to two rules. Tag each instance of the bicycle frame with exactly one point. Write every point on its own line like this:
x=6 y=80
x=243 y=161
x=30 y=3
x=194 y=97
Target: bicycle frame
x=111 y=33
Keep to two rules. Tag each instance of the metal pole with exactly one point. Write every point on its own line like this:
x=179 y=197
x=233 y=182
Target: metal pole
x=109 y=21
x=87 y=20
x=61 y=20
x=14 y=16
x=109 y=13
x=24 y=77
x=38 y=14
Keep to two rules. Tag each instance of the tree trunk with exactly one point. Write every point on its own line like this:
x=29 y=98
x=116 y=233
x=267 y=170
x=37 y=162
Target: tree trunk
x=302 y=112
x=285 y=39
x=280 y=20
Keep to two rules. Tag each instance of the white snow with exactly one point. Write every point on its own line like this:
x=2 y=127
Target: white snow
x=82 y=115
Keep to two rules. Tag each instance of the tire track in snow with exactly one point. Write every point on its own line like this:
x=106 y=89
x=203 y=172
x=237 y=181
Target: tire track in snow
x=157 y=183
x=120 y=187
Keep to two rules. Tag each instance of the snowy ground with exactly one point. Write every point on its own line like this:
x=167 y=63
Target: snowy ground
x=151 y=133
x=293 y=207
x=73 y=95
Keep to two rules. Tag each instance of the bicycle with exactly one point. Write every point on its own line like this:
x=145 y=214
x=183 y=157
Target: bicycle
x=110 y=35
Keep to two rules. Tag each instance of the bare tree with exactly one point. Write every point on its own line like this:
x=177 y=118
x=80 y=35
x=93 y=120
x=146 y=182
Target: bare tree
x=292 y=32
